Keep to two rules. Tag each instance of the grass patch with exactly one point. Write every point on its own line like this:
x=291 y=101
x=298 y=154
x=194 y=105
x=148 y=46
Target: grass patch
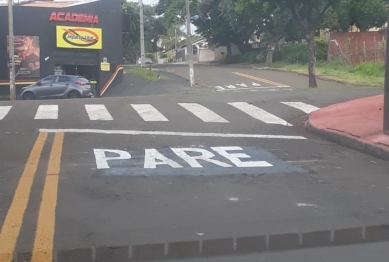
x=146 y=74
x=369 y=74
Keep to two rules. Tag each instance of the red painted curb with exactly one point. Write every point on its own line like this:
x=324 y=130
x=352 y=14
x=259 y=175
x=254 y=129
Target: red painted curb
x=350 y=141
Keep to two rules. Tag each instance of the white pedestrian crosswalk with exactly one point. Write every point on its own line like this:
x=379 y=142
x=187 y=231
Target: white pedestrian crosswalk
x=306 y=108
x=259 y=114
x=4 y=110
x=203 y=113
x=47 y=112
x=149 y=113
x=98 y=112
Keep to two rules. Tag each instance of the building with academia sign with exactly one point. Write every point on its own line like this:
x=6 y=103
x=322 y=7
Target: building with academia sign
x=63 y=37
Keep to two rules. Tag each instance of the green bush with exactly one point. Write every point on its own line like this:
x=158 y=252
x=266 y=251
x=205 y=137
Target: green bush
x=295 y=54
x=162 y=55
x=322 y=49
x=251 y=57
x=277 y=56
x=150 y=55
x=234 y=59
x=298 y=53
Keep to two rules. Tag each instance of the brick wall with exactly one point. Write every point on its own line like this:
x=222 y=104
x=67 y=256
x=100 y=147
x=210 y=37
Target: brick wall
x=357 y=47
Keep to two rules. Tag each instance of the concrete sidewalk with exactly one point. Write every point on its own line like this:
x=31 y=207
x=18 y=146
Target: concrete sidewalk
x=357 y=124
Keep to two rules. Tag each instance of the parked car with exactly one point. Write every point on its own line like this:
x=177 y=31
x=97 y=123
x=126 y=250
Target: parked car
x=58 y=86
x=147 y=61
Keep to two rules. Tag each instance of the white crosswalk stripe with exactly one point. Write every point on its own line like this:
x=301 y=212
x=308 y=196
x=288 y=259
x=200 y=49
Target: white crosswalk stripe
x=259 y=114
x=98 y=112
x=306 y=108
x=47 y=112
x=4 y=110
x=203 y=113
x=149 y=113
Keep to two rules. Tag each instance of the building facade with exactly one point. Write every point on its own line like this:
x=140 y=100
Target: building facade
x=64 y=37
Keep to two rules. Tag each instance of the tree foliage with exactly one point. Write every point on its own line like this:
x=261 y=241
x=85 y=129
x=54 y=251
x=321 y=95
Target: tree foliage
x=360 y=13
x=367 y=14
x=219 y=30
x=153 y=28
x=223 y=22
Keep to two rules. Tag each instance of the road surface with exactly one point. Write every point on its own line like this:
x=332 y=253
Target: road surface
x=221 y=176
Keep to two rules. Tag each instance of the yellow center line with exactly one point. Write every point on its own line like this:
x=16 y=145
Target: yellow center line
x=13 y=222
x=259 y=79
x=44 y=236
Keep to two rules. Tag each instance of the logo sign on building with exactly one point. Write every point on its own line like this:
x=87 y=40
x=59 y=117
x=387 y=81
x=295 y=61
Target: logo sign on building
x=79 y=37
x=105 y=66
x=74 y=17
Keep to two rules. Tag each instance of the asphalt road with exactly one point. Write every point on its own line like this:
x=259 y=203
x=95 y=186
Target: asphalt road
x=221 y=176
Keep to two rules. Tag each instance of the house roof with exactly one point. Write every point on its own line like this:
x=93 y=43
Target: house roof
x=48 y=3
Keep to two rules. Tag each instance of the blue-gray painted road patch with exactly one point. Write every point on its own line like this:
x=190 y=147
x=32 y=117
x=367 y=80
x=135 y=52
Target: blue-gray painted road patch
x=192 y=161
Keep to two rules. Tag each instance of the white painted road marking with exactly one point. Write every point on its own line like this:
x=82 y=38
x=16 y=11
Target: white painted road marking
x=151 y=155
x=167 y=133
x=149 y=113
x=306 y=108
x=102 y=158
x=98 y=112
x=192 y=159
x=235 y=157
x=205 y=155
x=4 y=110
x=259 y=114
x=203 y=113
x=47 y=112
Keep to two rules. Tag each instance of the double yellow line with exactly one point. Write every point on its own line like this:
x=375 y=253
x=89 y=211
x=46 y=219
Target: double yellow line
x=44 y=235
x=260 y=79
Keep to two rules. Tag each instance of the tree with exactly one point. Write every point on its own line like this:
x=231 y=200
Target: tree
x=174 y=11
x=219 y=30
x=367 y=14
x=131 y=41
x=308 y=14
x=360 y=13
x=153 y=28
x=267 y=20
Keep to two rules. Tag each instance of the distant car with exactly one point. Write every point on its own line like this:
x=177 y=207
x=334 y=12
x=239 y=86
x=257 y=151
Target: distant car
x=147 y=61
x=58 y=86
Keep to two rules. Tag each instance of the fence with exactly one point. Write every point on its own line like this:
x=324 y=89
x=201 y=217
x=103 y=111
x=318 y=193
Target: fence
x=354 y=48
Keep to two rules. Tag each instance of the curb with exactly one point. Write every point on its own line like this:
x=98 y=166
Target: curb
x=350 y=141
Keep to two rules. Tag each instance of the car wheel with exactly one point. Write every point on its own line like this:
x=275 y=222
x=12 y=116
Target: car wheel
x=28 y=96
x=74 y=94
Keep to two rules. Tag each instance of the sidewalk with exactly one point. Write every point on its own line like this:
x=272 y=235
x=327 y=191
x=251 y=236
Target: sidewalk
x=357 y=124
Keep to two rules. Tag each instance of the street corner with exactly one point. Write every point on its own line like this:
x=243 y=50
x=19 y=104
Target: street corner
x=357 y=124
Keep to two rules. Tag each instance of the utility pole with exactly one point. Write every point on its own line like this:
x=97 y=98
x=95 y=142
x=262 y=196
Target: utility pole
x=142 y=35
x=189 y=48
x=386 y=92
x=175 y=44
x=12 y=94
